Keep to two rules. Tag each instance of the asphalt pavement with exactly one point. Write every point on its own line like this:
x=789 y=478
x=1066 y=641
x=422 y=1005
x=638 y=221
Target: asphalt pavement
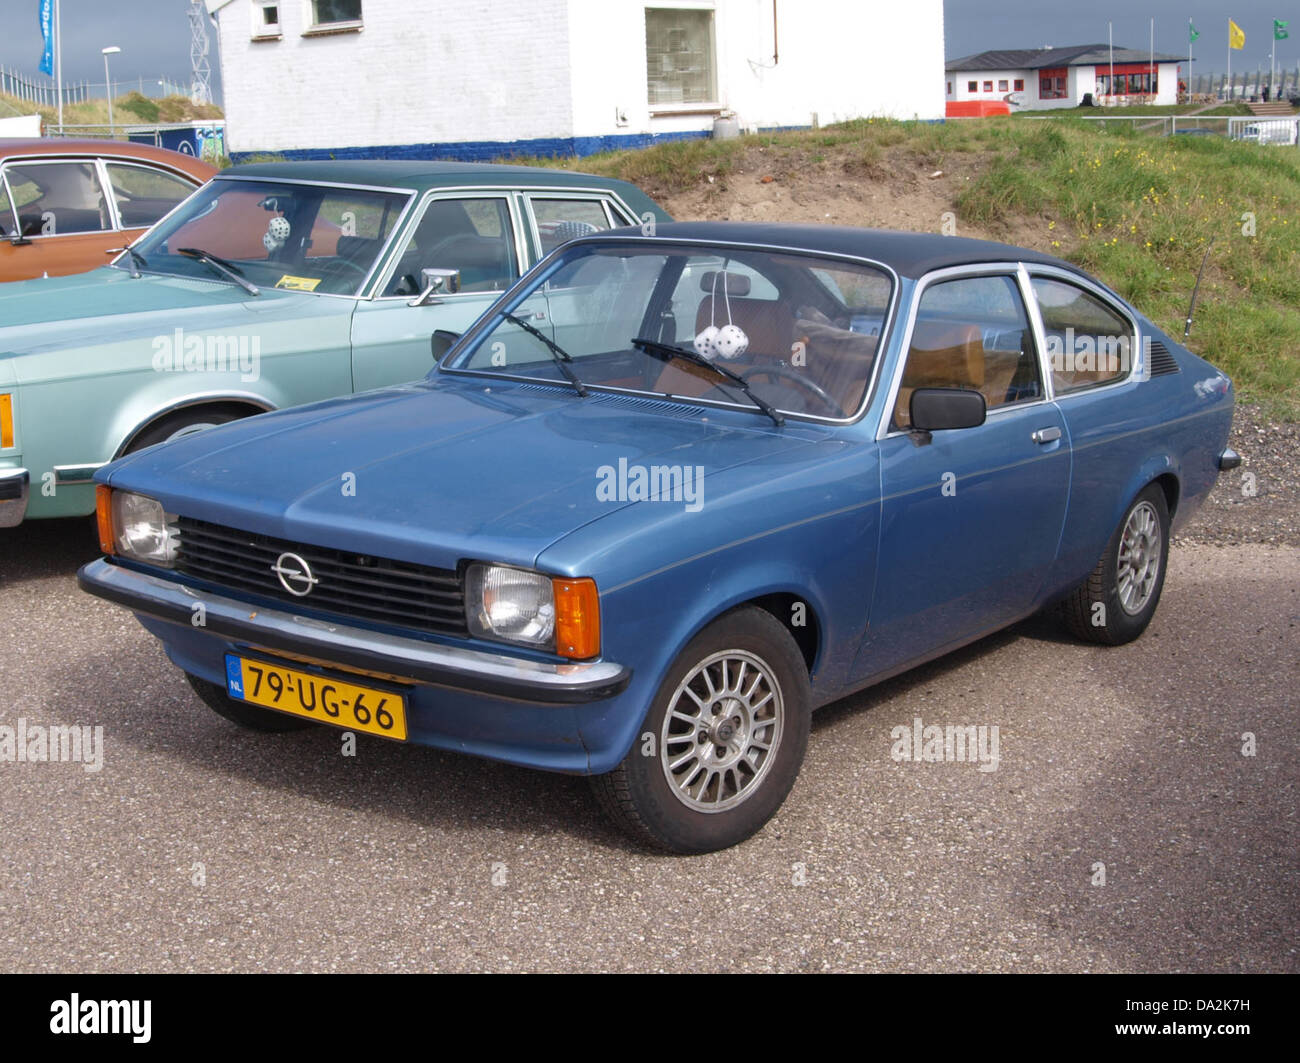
x=1142 y=815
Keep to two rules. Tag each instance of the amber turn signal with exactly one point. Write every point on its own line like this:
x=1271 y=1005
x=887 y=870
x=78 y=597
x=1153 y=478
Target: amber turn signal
x=6 y=421
x=104 y=517
x=577 y=618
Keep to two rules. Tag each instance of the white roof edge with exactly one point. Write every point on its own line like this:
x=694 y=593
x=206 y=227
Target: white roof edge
x=216 y=5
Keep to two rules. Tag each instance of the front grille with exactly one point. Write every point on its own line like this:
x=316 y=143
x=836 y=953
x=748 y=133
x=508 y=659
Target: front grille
x=1162 y=360
x=353 y=586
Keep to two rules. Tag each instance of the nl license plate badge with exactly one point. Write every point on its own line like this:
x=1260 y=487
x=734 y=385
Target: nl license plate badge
x=326 y=699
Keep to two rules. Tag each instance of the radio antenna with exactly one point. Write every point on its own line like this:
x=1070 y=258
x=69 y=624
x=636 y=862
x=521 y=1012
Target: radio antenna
x=1191 y=309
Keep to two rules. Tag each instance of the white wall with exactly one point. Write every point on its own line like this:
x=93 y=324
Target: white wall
x=960 y=79
x=419 y=72
x=426 y=71
x=836 y=60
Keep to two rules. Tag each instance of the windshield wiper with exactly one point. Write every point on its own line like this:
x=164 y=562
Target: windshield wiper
x=667 y=352
x=227 y=269
x=559 y=354
x=137 y=260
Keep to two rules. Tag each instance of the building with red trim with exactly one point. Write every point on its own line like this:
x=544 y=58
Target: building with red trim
x=1040 y=78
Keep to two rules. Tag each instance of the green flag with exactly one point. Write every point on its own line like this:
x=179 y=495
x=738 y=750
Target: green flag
x=1194 y=33
x=1279 y=30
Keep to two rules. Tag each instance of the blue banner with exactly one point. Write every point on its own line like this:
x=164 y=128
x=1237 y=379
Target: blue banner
x=47 y=31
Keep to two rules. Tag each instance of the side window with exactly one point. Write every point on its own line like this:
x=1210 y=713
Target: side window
x=8 y=226
x=971 y=333
x=58 y=198
x=143 y=194
x=1088 y=343
x=561 y=220
x=472 y=235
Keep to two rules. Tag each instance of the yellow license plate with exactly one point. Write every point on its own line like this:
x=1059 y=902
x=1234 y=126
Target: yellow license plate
x=317 y=697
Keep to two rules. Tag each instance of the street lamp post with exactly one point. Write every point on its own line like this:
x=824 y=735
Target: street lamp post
x=108 y=85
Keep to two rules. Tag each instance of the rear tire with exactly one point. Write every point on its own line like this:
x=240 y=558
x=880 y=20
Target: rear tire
x=722 y=741
x=1116 y=602
x=250 y=717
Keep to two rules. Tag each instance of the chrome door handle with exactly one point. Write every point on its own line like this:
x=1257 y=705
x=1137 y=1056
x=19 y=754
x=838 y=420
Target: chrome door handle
x=1046 y=435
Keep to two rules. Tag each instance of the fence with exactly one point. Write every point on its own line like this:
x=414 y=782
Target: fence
x=1260 y=130
x=42 y=91
x=1245 y=84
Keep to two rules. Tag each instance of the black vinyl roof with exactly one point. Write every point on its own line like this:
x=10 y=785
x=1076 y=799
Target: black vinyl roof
x=909 y=254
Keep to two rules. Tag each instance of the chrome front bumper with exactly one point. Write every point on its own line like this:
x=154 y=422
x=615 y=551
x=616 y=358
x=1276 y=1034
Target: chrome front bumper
x=14 y=487
x=328 y=643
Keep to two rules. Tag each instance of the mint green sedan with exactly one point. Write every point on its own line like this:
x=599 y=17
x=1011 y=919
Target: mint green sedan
x=272 y=285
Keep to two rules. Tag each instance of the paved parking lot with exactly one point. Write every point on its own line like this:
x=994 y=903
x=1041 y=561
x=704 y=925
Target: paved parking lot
x=201 y=847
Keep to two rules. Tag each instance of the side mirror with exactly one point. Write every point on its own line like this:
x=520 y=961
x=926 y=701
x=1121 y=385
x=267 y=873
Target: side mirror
x=436 y=282
x=939 y=409
x=442 y=341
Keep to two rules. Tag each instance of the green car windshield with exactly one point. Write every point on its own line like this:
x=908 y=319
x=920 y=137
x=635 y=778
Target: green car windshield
x=300 y=237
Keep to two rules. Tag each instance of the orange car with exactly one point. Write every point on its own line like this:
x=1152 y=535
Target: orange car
x=55 y=215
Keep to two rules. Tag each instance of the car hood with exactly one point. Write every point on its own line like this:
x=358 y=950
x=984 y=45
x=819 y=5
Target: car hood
x=82 y=309
x=444 y=469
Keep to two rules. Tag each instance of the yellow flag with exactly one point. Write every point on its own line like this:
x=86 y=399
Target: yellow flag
x=1236 y=36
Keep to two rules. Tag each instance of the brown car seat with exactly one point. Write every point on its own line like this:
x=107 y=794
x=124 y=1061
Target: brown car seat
x=942 y=355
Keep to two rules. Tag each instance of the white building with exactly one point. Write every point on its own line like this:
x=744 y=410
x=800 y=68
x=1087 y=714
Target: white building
x=1039 y=78
x=475 y=79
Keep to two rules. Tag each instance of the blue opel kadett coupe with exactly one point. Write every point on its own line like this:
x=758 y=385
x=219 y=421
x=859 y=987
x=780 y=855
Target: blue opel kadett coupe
x=678 y=487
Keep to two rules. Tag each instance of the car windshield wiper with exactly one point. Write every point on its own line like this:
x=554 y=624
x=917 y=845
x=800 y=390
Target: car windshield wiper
x=559 y=354
x=227 y=269
x=137 y=260
x=667 y=352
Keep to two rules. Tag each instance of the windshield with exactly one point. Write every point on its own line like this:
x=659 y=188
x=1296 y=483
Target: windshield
x=310 y=238
x=801 y=331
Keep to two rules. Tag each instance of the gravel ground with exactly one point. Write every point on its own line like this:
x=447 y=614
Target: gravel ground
x=1260 y=502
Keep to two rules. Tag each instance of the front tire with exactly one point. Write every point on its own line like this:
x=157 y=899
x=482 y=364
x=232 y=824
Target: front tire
x=1116 y=602
x=181 y=424
x=250 y=717
x=722 y=741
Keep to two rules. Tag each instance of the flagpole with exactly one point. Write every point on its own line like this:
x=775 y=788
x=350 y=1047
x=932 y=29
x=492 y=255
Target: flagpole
x=1110 y=28
x=58 y=63
x=1230 y=59
x=1151 y=67
x=1189 y=59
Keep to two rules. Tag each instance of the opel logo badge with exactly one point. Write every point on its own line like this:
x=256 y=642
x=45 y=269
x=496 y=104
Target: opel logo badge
x=294 y=574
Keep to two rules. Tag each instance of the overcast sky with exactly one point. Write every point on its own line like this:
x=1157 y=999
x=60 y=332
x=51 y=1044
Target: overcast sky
x=154 y=35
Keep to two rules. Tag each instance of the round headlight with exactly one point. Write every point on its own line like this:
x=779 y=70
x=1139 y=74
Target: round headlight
x=512 y=604
x=143 y=531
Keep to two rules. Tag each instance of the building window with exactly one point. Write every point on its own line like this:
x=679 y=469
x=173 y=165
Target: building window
x=266 y=20
x=988 y=86
x=972 y=86
x=680 y=64
x=950 y=88
x=1003 y=85
x=1052 y=84
x=333 y=12
x=1019 y=85
x=1128 y=84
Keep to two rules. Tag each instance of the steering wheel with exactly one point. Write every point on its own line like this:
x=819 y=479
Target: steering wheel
x=784 y=372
